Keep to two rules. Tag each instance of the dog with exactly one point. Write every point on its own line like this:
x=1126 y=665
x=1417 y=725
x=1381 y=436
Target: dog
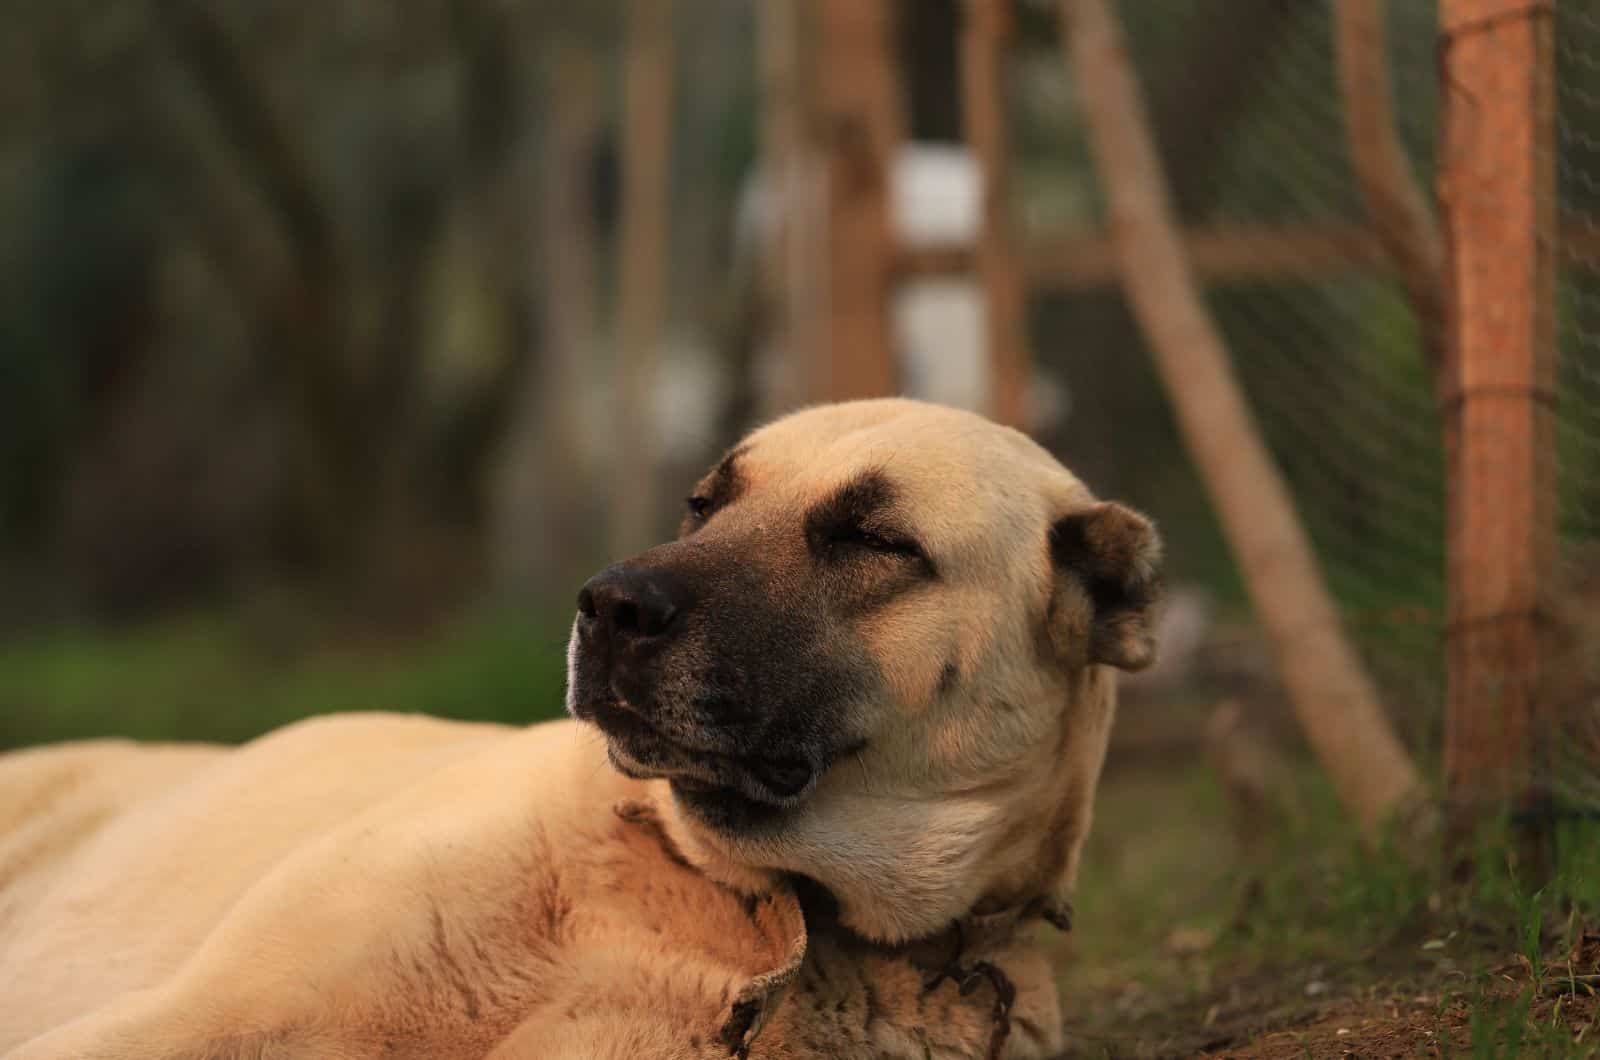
x=857 y=709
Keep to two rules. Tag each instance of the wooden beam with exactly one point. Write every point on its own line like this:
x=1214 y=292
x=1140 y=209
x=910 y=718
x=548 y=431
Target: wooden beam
x=1085 y=261
x=1238 y=254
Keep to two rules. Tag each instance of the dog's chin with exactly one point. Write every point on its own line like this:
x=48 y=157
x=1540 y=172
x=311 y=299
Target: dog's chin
x=725 y=809
x=728 y=792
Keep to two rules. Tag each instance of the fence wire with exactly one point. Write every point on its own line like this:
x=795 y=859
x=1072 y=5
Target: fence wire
x=1330 y=353
x=1575 y=666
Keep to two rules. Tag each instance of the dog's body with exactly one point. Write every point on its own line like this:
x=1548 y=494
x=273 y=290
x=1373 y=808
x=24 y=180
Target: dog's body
x=376 y=885
x=875 y=659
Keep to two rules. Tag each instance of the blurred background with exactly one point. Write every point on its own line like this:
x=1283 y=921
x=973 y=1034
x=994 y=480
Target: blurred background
x=340 y=342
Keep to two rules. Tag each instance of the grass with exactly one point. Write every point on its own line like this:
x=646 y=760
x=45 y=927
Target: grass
x=230 y=678
x=1305 y=941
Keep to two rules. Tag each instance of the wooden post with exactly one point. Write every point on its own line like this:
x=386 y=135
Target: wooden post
x=1331 y=693
x=859 y=125
x=646 y=154
x=984 y=37
x=1497 y=190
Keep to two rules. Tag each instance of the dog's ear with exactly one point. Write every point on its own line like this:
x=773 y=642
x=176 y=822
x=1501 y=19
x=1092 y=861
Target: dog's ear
x=1108 y=581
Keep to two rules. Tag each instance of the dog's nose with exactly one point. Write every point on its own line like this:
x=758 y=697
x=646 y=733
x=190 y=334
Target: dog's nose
x=632 y=603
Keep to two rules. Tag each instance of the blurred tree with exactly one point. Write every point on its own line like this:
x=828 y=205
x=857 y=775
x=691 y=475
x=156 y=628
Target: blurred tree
x=647 y=136
x=541 y=503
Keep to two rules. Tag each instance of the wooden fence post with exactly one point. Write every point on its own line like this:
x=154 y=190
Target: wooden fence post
x=1497 y=191
x=985 y=33
x=860 y=122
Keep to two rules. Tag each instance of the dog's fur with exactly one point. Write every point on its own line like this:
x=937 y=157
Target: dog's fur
x=883 y=673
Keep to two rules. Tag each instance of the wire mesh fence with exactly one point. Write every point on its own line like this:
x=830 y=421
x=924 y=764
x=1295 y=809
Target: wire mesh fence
x=1575 y=669
x=1331 y=351
x=1318 y=326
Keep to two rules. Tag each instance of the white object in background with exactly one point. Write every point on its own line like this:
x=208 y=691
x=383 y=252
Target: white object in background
x=940 y=322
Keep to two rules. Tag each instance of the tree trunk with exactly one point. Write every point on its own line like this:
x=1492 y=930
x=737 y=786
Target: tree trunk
x=646 y=152
x=1332 y=694
x=303 y=315
x=540 y=504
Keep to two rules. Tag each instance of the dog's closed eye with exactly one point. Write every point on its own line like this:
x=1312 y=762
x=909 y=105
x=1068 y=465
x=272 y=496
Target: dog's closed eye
x=886 y=543
x=858 y=521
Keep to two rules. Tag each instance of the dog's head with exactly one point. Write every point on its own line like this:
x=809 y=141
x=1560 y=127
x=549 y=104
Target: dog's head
x=876 y=656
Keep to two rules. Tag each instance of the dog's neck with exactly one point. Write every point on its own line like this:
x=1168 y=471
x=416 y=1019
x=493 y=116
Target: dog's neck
x=903 y=865
x=968 y=951
x=988 y=929
x=876 y=891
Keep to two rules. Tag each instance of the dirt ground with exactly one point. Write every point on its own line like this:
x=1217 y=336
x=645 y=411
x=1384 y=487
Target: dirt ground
x=1431 y=1025
x=1273 y=1015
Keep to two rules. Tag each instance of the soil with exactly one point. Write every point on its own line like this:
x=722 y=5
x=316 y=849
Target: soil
x=1267 y=1015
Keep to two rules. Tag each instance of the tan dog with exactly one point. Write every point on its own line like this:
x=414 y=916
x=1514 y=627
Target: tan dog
x=874 y=661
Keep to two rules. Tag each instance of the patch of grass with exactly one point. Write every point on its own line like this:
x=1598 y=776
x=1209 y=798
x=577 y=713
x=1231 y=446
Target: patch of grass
x=1503 y=1026
x=1317 y=892
x=1305 y=940
x=220 y=678
x=1159 y=861
x=1157 y=882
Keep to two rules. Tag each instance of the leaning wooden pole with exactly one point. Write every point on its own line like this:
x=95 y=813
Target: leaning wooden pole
x=984 y=37
x=1332 y=695
x=1402 y=216
x=1497 y=189
x=859 y=118
x=642 y=295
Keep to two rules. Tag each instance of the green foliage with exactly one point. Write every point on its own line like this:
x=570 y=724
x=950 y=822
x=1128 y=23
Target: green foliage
x=209 y=678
